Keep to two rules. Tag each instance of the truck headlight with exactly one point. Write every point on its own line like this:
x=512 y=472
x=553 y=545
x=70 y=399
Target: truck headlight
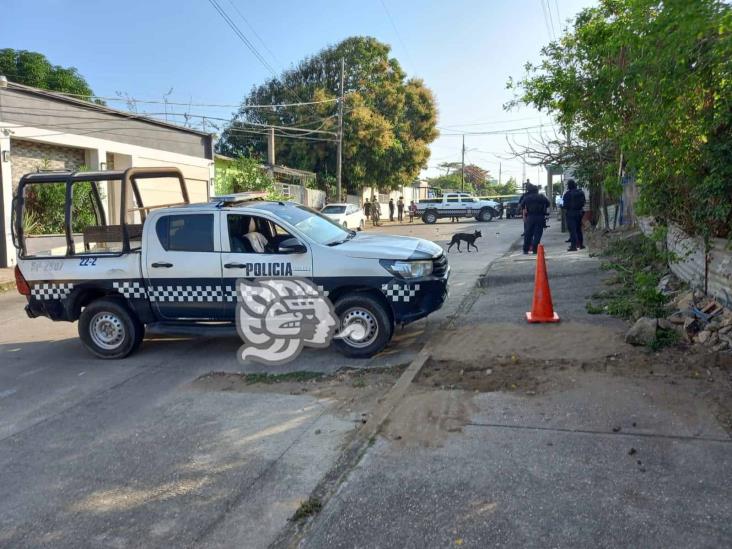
x=408 y=269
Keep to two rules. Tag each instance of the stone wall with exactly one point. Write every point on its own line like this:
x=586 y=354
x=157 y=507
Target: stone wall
x=29 y=156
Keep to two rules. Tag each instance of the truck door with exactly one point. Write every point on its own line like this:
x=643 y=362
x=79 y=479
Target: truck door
x=469 y=205
x=256 y=247
x=182 y=264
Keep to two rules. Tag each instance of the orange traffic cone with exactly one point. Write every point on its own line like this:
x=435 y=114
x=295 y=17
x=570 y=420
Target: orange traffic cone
x=542 y=309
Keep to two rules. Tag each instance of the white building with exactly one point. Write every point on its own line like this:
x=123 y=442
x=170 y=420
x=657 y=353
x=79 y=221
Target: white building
x=42 y=130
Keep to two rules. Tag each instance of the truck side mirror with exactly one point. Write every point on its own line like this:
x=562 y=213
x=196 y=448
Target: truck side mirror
x=291 y=246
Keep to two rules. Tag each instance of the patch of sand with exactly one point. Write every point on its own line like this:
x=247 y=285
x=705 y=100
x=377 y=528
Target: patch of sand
x=565 y=340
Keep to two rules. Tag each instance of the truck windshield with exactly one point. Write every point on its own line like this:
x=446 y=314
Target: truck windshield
x=315 y=226
x=333 y=210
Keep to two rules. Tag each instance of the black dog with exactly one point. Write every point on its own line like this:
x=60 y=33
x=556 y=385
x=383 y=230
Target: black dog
x=467 y=237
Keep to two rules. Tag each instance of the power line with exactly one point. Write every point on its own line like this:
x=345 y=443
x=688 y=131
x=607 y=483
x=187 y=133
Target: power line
x=251 y=47
x=500 y=132
x=546 y=20
x=254 y=32
x=451 y=127
x=551 y=18
x=189 y=104
x=396 y=30
x=139 y=118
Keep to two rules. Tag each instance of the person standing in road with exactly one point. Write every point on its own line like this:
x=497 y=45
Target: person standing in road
x=400 y=209
x=367 y=209
x=391 y=209
x=521 y=208
x=412 y=211
x=536 y=206
x=375 y=213
x=573 y=203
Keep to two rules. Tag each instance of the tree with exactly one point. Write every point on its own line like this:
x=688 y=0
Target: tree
x=244 y=174
x=509 y=187
x=449 y=182
x=389 y=123
x=33 y=69
x=476 y=178
x=645 y=86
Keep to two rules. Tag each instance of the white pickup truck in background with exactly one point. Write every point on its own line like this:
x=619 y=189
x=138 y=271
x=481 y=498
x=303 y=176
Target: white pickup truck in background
x=457 y=205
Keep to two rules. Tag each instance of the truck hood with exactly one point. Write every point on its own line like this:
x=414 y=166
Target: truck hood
x=389 y=247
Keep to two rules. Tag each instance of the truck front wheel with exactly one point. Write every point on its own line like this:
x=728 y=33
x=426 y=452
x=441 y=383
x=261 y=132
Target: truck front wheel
x=485 y=215
x=109 y=329
x=366 y=327
x=430 y=218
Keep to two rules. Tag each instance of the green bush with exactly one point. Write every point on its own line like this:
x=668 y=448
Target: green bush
x=639 y=265
x=45 y=204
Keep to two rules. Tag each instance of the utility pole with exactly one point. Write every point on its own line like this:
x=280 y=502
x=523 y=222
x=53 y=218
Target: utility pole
x=523 y=176
x=499 y=173
x=339 y=164
x=270 y=147
x=462 y=169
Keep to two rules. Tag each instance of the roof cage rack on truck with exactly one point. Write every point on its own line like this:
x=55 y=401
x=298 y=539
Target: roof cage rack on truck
x=124 y=205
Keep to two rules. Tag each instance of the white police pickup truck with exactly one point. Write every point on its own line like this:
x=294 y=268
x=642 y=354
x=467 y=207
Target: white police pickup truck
x=174 y=267
x=456 y=205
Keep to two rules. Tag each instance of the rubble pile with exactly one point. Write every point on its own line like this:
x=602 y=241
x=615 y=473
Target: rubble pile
x=695 y=317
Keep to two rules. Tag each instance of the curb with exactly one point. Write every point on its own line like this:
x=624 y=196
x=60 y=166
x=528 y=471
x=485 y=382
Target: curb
x=293 y=533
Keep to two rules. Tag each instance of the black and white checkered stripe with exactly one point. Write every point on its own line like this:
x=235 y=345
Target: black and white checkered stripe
x=48 y=290
x=400 y=292
x=185 y=293
x=131 y=290
x=176 y=293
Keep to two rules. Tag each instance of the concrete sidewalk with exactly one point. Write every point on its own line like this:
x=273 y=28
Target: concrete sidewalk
x=496 y=323
x=519 y=435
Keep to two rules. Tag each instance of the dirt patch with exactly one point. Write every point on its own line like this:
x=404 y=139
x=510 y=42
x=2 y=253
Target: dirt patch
x=570 y=340
x=502 y=373
x=426 y=418
x=705 y=375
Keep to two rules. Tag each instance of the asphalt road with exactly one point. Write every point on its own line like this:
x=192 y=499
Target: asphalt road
x=129 y=454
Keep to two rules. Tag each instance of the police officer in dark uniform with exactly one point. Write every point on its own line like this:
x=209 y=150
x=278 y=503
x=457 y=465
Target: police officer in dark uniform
x=573 y=203
x=536 y=206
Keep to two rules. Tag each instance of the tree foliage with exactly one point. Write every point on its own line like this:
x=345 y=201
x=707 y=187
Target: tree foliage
x=478 y=181
x=244 y=174
x=389 y=121
x=33 y=69
x=476 y=178
x=650 y=83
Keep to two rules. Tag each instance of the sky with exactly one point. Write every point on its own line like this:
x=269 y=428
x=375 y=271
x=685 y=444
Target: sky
x=464 y=50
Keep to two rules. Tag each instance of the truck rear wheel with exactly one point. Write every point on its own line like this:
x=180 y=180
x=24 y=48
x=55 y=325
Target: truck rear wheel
x=365 y=323
x=430 y=218
x=109 y=329
x=485 y=215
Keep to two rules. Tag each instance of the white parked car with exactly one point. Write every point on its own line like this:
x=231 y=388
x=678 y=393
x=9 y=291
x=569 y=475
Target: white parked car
x=348 y=215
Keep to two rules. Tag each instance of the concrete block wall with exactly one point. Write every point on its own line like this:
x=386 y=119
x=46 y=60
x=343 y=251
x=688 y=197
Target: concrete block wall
x=30 y=156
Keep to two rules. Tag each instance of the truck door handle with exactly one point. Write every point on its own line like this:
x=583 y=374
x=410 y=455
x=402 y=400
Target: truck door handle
x=234 y=265
x=162 y=264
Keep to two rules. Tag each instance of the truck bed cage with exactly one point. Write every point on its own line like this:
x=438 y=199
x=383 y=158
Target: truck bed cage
x=128 y=177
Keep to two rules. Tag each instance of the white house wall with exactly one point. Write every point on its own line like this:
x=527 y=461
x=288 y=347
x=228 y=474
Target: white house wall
x=199 y=172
